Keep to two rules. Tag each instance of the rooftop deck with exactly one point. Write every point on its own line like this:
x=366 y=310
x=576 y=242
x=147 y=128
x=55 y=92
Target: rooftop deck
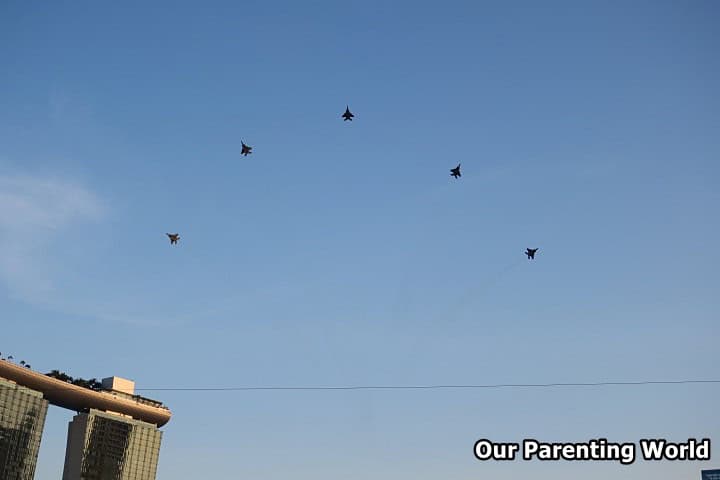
x=80 y=399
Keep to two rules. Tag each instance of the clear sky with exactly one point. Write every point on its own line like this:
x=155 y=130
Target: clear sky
x=343 y=253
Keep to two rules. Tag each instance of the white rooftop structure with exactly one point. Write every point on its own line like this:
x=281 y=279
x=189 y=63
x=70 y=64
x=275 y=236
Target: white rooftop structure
x=119 y=385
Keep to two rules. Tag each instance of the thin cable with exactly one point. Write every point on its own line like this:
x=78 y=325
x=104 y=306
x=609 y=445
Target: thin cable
x=430 y=387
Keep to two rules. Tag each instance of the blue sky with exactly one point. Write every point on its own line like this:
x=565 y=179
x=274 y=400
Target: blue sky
x=343 y=253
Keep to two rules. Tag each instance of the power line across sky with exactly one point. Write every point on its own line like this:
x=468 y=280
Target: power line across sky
x=433 y=387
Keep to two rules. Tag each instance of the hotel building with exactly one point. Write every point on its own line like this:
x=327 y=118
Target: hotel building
x=114 y=436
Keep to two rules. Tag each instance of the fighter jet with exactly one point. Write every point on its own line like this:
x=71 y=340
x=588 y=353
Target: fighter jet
x=245 y=149
x=455 y=172
x=347 y=115
x=530 y=252
x=174 y=237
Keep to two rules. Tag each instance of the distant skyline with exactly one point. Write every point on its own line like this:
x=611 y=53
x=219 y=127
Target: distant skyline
x=343 y=252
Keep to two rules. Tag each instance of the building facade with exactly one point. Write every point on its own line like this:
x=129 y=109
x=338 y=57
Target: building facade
x=107 y=446
x=22 y=418
x=114 y=436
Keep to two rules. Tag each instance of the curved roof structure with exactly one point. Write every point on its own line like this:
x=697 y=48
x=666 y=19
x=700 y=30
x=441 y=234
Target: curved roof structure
x=78 y=398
